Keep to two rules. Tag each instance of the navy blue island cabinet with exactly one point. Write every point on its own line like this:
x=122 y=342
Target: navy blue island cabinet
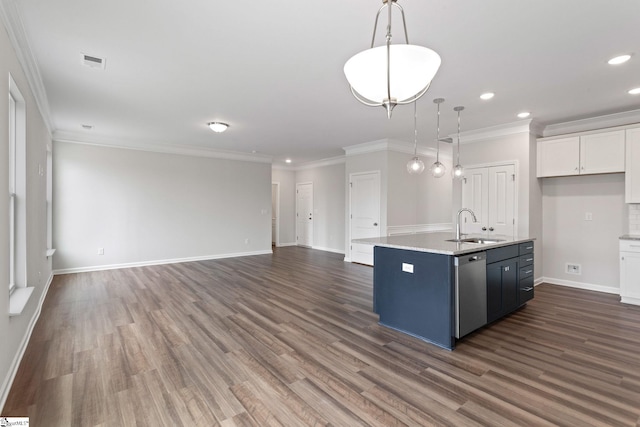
x=419 y=302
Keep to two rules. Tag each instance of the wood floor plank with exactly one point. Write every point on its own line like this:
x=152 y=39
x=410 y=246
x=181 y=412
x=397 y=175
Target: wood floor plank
x=290 y=339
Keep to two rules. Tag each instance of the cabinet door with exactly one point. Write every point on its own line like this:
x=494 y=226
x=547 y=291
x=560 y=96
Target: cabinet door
x=630 y=276
x=602 y=152
x=559 y=157
x=502 y=288
x=632 y=167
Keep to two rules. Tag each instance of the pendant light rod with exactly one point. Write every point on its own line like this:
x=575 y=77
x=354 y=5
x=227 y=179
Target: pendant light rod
x=438 y=101
x=458 y=109
x=415 y=129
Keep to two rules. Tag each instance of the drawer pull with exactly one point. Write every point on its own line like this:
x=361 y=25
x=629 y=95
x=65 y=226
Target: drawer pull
x=528 y=272
x=529 y=247
x=528 y=289
x=529 y=259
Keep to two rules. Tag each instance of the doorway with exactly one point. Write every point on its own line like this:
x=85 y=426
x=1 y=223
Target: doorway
x=364 y=213
x=304 y=214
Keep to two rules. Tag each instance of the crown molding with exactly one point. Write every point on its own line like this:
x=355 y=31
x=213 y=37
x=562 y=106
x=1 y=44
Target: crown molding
x=185 y=150
x=389 y=145
x=17 y=35
x=522 y=126
x=593 y=123
x=321 y=163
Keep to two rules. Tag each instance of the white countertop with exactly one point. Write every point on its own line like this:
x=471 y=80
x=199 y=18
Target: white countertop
x=437 y=242
x=630 y=237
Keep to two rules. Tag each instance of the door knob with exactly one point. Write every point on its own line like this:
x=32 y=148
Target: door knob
x=375 y=224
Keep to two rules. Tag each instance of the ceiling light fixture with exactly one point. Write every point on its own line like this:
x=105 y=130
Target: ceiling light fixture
x=458 y=170
x=438 y=169
x=619 y=60
x=393 y=74
x=524 y=114
x=487 y=96
x=288 y=161
x=415 y=165
x=635 y=91
x=218 y=127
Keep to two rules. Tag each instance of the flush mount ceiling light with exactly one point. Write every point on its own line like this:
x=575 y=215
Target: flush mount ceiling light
x=487 y=96
x=458 y=170
x=438 y=169
x=288 y=161
x=619 y=60
x=218 y=127
x=635 y=91
x=524 y=114
x=415 y=165
x=391 y=75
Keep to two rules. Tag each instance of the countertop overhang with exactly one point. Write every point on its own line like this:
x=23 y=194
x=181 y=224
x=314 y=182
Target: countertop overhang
x=437 y=243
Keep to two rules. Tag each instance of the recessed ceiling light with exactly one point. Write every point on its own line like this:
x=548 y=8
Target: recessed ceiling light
x=218 y=127
x=619 y=60
x=524 y=114
x=635 y=91
x=487 y=96
x=288 y=160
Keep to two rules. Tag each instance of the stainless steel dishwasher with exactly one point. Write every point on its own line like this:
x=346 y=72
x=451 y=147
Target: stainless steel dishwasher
x=471 y=292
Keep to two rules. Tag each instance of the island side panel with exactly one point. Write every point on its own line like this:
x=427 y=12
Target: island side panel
x=418 y=303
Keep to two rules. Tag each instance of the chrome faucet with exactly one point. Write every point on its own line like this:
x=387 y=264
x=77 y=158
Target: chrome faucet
x=458 y=220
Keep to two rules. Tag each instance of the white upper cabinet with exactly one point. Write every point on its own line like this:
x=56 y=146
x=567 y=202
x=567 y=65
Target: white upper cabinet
x=632 y=175
x=593 y=153
x=558 y=157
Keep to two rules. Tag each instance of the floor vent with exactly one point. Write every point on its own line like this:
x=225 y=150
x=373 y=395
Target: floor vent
x=93 y=61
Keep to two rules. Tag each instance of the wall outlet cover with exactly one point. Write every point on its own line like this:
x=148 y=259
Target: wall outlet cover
x=573 y=268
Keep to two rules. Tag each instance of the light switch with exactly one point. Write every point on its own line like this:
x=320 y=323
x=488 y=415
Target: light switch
x=588 y=216
x=407 y=268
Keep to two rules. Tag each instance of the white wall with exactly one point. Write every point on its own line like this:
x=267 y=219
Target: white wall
x=145 y=207
x=568 y=238
x=328 y=205
x=287 y=181
x=15 y=330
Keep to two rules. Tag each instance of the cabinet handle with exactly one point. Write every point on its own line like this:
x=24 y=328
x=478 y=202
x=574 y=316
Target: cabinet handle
x=490 y=228
x=528 y=272
x=529 y=247
x=484 y=228
x=529 y=259
x=506 y=268
x=528 y=289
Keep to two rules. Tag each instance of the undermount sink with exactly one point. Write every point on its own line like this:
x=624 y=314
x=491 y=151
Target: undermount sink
x=478 y=240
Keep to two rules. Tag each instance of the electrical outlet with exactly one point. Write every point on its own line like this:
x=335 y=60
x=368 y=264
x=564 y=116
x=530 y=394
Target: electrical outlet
x=573 y=269
x=247 y=241
x=100 y=251
x=588 y=216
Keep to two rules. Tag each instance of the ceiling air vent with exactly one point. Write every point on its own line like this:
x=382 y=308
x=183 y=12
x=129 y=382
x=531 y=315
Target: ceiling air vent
x=92 y=61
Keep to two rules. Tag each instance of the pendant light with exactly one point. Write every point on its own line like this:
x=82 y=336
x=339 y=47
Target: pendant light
x=415 y=165
x=393 y=74
x=438 y=169
x=458 y=170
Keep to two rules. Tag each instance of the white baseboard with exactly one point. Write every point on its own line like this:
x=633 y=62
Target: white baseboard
x=157 y=262
x=630 y=300
x=581 y=285
x=287 y=244
x=335 y=251
x=15 y=364
x=347 y=259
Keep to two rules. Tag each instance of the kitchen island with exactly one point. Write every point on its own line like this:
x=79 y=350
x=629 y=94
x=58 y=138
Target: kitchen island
x=439 y=290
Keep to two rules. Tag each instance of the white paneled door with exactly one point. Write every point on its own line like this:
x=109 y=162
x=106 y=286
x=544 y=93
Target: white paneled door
x=364 y=199
x=490 y=193
x=304 y=214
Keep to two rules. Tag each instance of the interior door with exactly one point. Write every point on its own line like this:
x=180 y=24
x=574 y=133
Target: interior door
x=304 y=214
x=502 y=200
x=364 y=196
x=475 y=191
x=490 y=193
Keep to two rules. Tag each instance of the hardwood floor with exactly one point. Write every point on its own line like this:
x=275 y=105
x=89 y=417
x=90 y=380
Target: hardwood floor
x=290 y=340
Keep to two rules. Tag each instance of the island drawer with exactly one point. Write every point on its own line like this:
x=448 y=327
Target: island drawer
x=526 y=248
x=526 y=272
x=526 y=260
x=526 y=291
x=499 y=254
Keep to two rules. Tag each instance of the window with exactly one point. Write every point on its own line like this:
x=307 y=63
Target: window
x=12 y=192
x=17 y=188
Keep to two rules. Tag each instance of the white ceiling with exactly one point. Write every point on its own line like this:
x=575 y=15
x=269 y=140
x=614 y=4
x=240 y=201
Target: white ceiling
x=273 y=70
